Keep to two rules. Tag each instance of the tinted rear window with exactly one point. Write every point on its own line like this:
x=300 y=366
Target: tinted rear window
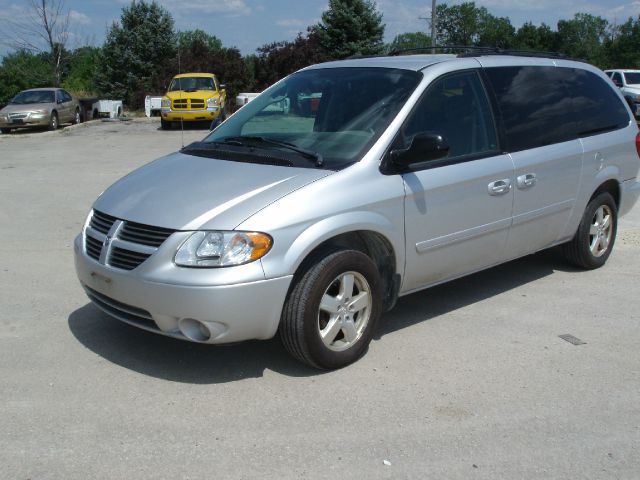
x=546 y=105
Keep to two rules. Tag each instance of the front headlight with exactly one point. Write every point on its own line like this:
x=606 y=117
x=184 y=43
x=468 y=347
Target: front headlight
x=165 y=102
x=212 y=102
x=222 y=249
x=39 y=114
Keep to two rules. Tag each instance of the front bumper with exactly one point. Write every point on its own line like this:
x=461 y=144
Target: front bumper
x=25 y=122
x=231 y=313
x=190 y=115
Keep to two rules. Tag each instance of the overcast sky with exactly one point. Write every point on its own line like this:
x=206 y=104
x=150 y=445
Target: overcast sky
x=248 y=24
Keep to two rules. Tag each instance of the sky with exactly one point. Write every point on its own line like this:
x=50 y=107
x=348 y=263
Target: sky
x=249 y=24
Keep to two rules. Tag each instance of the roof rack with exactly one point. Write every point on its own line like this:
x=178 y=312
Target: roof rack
x=474 y=51
x=468 y=48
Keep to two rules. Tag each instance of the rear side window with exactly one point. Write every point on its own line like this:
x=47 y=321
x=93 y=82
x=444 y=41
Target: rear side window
x=546 y=105
x=596 y=106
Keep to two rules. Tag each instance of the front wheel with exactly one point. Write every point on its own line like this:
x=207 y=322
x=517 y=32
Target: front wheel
x=332 y=310
x=164 y=125
x=53 y=121
x=592 y=244
x=5 y=130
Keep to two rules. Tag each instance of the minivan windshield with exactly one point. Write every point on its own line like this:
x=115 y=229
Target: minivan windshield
x=34 y=96
x=191 y=83
x=328 y=117
x=632 y=78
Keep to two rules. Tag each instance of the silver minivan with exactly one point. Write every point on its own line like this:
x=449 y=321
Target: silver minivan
x=348 y=184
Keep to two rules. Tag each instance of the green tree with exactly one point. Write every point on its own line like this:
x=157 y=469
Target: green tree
x=350 y=27
x=81 y=71
x=409 y=40
x=531 y=37
x=458 y=24
x=466 y=24
x=197 y=51
x=495 y=31
x=22 y=70
x=279 y=59
x=623 y=50
x=583 y=37
x=198 y=37
x=137 y=53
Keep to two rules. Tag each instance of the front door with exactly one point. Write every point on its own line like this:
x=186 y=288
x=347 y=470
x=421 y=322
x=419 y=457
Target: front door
x=457 y=209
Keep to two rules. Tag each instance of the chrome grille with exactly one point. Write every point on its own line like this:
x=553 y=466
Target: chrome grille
x=17 y=116
x=127 y=244
x=180 y=103
x=188 y=103
x=101 y=221
x=126 y=259
x=94 y=247
x=144 y=234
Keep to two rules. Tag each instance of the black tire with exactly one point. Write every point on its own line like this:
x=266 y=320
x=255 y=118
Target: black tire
x=580 y=250
x=76 y=117
x=53 y=121
x=303 y=320
x=164 y=124
x=222 y=116
x=5 y=130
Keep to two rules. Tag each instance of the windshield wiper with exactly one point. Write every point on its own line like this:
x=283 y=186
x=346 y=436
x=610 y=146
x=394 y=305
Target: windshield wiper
x=247 y=139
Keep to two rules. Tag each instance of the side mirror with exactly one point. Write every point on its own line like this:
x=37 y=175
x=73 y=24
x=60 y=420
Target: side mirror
x=425 y=146
x=223 y=86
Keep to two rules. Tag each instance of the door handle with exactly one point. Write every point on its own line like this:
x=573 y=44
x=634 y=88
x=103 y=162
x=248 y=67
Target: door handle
x=500 y=187
x=526 y=181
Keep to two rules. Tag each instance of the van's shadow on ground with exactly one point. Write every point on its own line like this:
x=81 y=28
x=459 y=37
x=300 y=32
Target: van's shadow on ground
x=180 y=361
x=204 y=126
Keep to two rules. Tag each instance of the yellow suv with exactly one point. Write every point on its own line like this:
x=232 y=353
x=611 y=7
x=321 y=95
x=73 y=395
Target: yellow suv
x=193 y=97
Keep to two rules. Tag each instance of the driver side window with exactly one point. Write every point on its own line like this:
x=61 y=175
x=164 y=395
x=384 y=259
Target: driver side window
x=456 y=107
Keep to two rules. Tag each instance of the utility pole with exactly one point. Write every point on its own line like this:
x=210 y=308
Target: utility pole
x=433 y=23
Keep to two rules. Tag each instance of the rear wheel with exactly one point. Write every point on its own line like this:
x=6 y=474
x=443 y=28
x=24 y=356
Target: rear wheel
x=592 y=244
x=76 y=117
x=332 y=310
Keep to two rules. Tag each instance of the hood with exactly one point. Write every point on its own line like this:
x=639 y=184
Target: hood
x=633 y=89
x=26 y=107
x=185 y=192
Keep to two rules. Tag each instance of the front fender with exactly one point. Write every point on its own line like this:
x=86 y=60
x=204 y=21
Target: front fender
x=316 y=233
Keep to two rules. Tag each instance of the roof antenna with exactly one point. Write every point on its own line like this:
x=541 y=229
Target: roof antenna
x=180 y=87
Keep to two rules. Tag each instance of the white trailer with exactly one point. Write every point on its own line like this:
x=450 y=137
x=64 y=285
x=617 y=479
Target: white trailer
x=244 y=98
x=152 y=106
x=108 y=108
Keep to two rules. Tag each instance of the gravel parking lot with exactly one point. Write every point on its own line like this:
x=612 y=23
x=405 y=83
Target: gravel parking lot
x=468 y=380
